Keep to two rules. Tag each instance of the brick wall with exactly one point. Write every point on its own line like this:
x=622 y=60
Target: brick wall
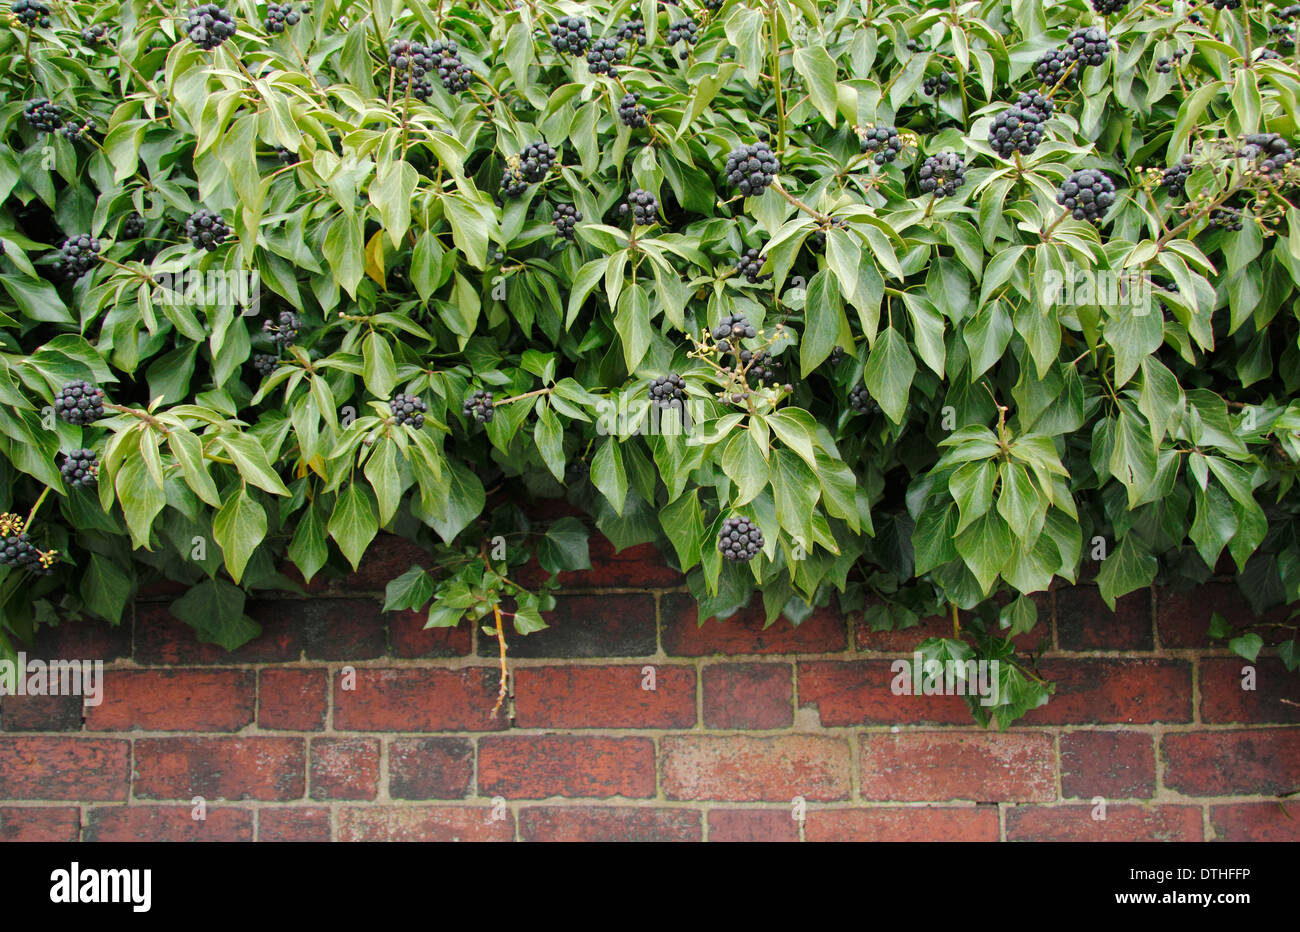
x=741 y=721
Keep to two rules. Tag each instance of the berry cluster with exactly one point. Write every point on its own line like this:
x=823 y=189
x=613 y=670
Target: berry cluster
x=132 y=226
x=1053 y=66
x=452 y=70
x=884 y=141
x=860 y=400
x=817 y=238
x=936 y=85
x=206 y=229
x=1226 y=4
x=748 y=265
x=1174 y=178
x=79 y=402
x=604 y=55
x=479 y=406
x=74 y=128
x=569 y=35
x=76 y=256
x=31 y=13
x=632 y=113
x=1226 y=218
x=565 y=218
x=536 y=160
x=1106 y=7
x=513 y=183
x=732 y=328
x=280 y=15
x=668 y=391
x=79 y=468
x=1086 y=194
x=284 y=330
x=740 y=540
x=264 y=363
x=837 y=355
x=1019 y=128
x=286 y=156
x=643 y=207
x=1270 y=149
x=17 y=550
x=942 y=174
x=44 y=116
x=209 y=25
x=760 y=367
x=94 y=34
x=752 y=168
x=684 y=30
x=1088 y=46
x=1267 y=54
x=408 y=409
x=631 y=31
x=1284 y=34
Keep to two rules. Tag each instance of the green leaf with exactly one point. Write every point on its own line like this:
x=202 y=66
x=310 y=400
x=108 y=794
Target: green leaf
x=215 y=610
x=564 y=546
x=239 y=526
x=607 y=474
x=352 y=524
x=817 y=68
x=1130 y=567
x=683 y=524
x=889 y=373
x=105 y=588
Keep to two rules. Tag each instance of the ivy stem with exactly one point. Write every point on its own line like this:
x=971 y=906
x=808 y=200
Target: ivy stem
x=956 y=622
x=142 y=415
x=1065 y=76
x=505 y=672
x=31 y=515
x=532 y=394
x=1047 y=234
x=815 y=214
x=126 y=268
x=773 y=20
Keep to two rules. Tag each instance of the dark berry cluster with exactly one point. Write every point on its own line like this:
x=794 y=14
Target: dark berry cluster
x=1174 y=178
x=942 y=174
x=1267 y=55
x=17 y=550
x=264 y=363
x=94 y=34
x=1052 y=66
x=77 y=255
x=1019 y=128
x=604 y=55
x=79 y=468
x=1289 y=12
x=837 y=355
x=740 y=540
x=43 y=115
x=817 y=238
x=884 y=141
x=283 y=331
x=79 y=402
x=1088 y=46
x=1087 y=194
x=74 y=128
x=570 y=36
x=860 y=400
x=513 y=182
x=31 y=13
x=409 y=410
x=132 y=226
x=748 y=265
x=1226 y=218
x=405 y=55
x=752 y=168
x=479 y=406
x=1106 y=7
x=668 y=391
x=206 y=229
x=209 y=25
x=565 y=218
x=452 y=70
x=734 y=327
x=1270 y=150
x=536 y=160
x=761 y=368
x=936 y=85
x=1284 y=34
x=1226 y=4
x=684 y=30
x=632 y=113
x=280 y=15
x=643 y=207
x=631 y=31
x=914 y=45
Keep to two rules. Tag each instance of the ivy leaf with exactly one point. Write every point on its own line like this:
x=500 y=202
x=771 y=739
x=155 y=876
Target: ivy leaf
x=607 y=474
x=239 y=526
x=564 y=547
x=352 y=524
x=411 y=590
x=1127 y=569
x=683 y=524
x=889 y=373
x=215 y=610
x=1246 y=646
x=105 y=588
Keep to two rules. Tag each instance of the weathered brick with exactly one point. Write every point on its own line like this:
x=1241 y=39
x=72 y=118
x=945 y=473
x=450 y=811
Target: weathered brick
x=1183 y=618
x=292 y=698
x=412 y=699
x=742 y=768
x=860 y=692
x=1276 y=820
x=293 y=823
x=1122 y=823
x=1085 y=622
x=1131 y=692
x=408 y=637
x=588 y=626
x=1274 y=698
x=900 y=640
x=744 y=632
x=72 y=768
x=329 y=629
x=936 y=766
x=608 y=823
x=40 y=823
x=604 y=697
x=756 y=696
x=84 y=639
x=40 y=713
x=162 y=638
x=423 y=823
x=904 y=823
x=538 y=766
x=344 y=768
x=167 y=823
x=1264 y=762
x=388 y=557
x=220 y=768
x=752 y=825
x=1114 y=764
x=174 y=700
x=430 y=768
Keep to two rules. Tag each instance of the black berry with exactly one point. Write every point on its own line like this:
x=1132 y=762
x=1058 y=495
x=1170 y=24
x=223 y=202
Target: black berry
x=565 y=218
x=684 y=30
x=132 y=227
x=1270 y=151
x=860 y=400
x=733 y=328
x=479 y=407
x=569 y=35
x=283 y=331
x=94 y=34
x=884 y=141
x=643 y=207
x=79 y=402
x=1088 y=46
x=748 y=265
x=632 y=113
x=76 y=256
x=1106 y=7
x=43 y=115
x=1087 y=194
x=79 y=468
x=604 y=55
x=752 y=168
x=209 y=25
x=409 y=410
x=264 y=363
x=631 y=31
x=31 y=13
x=535 y=161
x=1019 y=128
x=942 y=174
x=936 y=85
x=740 y=540
x=280 y=15
x=1226 y=218
x=452 y=71
x=1052 y=66
x=1174 y=178
x=206 y=230
x=668 y=391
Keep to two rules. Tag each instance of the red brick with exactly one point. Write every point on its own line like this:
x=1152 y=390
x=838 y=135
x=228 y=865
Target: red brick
x=1131 y=692
x=412 y=699
x=620 y=625
x=604 y=697
x=41 y=713
x=535 y=767
x=168 y=823
x=162 y=638
x=329 y=629
x=219 y=768
x=408 y=637
x=1084 y=622
x=608 y=823
x=742 y=768
x=86 y=638
x=174 y=700
x=640 y=566
x=40 y=823
x=292 y=698
x=900 y=640
x=423 y=823
x=1122 y=823
x=430 y=768
x=72 y=768
x=293 y=823
x=1183 y=618
x=1270 y=821
x=860 y=692
x=388 y=557
x=1264 y=762
x=752 y=825
x=938 y=766
x=748 y=695
x=1275 y=698
x=744 y=632
x=344 y=768
x=904 y=823
x=1114 y=764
